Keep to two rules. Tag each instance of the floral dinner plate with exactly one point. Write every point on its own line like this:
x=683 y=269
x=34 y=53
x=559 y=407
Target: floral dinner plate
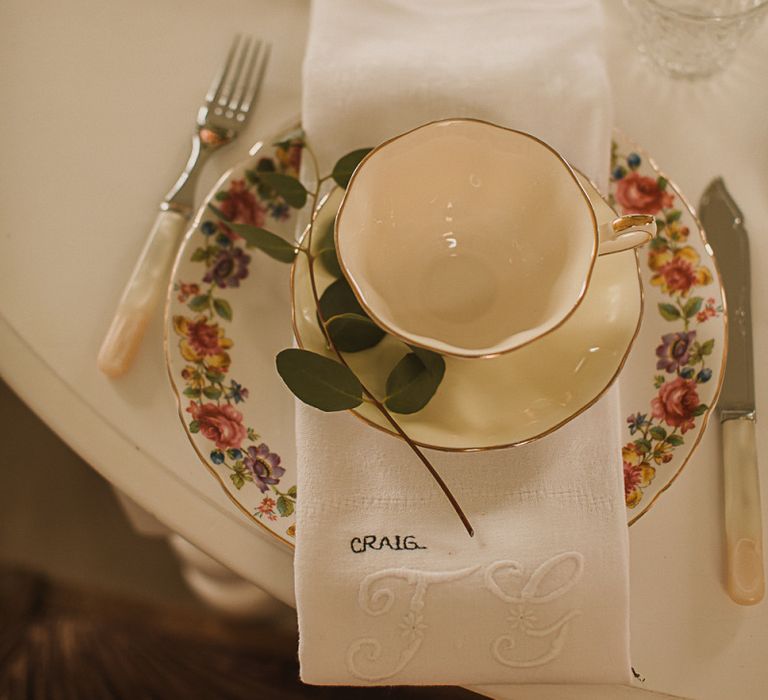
x=228 y=313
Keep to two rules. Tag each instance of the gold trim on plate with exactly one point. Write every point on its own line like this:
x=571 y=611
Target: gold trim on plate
x=719 y=279
x=705 y=417
x=167 y=352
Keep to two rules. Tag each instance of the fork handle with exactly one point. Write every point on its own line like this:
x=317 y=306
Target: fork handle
x=142 y=294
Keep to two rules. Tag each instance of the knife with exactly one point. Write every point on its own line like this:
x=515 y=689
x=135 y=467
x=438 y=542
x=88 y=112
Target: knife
x=724 y=225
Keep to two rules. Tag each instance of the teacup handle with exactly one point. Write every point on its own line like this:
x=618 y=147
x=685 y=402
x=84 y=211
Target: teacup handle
x=626 y=232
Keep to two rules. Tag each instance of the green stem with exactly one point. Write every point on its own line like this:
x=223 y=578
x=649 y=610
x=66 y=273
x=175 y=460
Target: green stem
x=367 y=393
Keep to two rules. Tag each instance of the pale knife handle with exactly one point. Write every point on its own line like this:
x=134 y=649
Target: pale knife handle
x=141 y=295
x=743 y=521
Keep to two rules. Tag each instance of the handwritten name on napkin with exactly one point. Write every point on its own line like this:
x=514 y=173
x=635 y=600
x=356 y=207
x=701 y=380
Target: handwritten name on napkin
x=375 y=543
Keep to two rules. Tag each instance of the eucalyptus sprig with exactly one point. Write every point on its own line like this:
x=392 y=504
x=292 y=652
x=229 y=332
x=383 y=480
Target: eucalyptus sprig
x=331 y=384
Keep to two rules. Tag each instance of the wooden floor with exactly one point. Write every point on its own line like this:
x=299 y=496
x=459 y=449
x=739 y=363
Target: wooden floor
x=63 y=643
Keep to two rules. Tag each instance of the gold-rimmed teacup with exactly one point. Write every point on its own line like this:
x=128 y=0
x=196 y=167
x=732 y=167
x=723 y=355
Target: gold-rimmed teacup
x=471 y=239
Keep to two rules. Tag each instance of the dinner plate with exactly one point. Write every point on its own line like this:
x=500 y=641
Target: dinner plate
x=511 y=399
x=228 y=313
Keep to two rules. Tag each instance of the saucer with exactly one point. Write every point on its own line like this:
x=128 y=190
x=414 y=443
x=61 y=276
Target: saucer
x=228 y=315
x=511 y=399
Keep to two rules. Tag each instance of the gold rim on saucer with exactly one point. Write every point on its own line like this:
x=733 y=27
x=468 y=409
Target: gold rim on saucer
x=483 y=448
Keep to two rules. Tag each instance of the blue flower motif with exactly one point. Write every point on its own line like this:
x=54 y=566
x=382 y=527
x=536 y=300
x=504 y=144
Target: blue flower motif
x=686 y=373
x=619 y=172
x=234 y=453
x=633 y=161
x=704 y=375
x=208 y=228
x=636 y=422
x=237 y=392
x=223 y=241
x=217 y=457
x=280 y=211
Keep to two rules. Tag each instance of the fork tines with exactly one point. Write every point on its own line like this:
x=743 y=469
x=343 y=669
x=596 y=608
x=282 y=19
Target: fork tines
x=236 y=85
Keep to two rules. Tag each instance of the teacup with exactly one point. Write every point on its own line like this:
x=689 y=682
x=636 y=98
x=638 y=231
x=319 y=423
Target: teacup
x=471 y=239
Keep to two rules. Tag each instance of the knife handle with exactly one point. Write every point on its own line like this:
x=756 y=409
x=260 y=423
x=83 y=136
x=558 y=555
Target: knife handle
x=743 y=522
x=142 y=293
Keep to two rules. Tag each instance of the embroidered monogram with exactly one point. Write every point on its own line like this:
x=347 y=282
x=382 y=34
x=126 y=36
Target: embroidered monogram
x=379 y=601
x=531 y=640
x=396 y=543
x=522 y=620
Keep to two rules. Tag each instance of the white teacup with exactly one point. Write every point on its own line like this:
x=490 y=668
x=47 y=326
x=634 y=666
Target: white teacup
x=471 y=239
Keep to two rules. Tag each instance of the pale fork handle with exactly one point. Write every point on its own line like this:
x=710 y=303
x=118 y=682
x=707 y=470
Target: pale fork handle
x=141 y=295
x=743 y=520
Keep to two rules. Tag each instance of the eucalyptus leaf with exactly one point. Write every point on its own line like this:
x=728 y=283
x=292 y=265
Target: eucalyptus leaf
x=353 y=332
x=219 y=213
x=266 y=241
x=433 y=361
x=412 y=383
x=326 y=248
x=338 y=298
x=318 y=380
x=289 y=188
x=346 y=165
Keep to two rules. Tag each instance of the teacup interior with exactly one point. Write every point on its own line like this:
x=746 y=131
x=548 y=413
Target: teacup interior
x=467 y=237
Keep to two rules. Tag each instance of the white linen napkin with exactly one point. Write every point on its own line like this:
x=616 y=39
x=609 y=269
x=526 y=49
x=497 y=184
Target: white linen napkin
x=389 y=587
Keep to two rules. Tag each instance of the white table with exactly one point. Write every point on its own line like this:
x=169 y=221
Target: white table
x=97 y=98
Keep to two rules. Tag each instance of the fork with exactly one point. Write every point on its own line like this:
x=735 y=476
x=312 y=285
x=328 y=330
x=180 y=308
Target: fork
x=220 y=118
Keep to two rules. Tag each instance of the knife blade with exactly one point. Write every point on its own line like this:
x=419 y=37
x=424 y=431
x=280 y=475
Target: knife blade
x=724 y=225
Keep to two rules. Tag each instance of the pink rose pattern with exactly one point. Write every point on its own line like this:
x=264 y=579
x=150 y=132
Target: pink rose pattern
x=214 y=396
x=639 y=194
x=683 y=352
x=222 y=425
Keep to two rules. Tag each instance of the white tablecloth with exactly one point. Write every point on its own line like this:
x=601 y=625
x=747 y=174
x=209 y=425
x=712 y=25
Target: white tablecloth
x=79 y=185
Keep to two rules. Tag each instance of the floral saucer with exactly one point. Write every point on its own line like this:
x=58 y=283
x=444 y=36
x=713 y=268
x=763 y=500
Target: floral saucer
x=228 y=315
x=516 y=397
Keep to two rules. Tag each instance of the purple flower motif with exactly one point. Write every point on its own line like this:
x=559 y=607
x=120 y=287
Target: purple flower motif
x=264 y=466
x=228 y=268
x=636 y=422
x=675 y=350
